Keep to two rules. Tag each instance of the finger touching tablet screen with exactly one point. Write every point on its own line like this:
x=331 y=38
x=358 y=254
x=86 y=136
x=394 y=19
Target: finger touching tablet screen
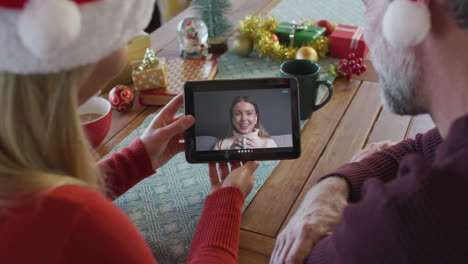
x=248 y=119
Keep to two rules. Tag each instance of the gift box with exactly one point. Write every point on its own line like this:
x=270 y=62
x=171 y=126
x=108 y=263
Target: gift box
x=302 y=33
x=136 y=52
x=151 y=73
x=348 y=39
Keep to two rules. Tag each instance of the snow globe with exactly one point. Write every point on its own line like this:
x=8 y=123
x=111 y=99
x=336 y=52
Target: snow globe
x=193 y=36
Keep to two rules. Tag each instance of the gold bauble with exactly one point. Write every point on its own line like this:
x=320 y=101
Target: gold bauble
x=307 y=53
x=242 y=46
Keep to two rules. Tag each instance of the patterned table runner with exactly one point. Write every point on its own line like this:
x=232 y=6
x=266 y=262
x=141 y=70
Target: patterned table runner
x=166 y=207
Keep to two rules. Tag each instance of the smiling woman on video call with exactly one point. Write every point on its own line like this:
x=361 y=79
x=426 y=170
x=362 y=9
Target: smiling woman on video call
x=246 y=130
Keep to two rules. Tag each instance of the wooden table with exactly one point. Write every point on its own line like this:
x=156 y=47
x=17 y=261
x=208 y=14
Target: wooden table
x=353 y=118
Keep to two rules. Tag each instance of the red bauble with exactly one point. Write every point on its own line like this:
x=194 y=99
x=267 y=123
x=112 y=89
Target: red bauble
x=326 y=24
x=121 y=98
x=274 y=37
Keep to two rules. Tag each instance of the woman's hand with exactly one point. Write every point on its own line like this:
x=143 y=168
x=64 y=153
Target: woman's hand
x=250 y=143
x=238 y=143
x=371 y=149
x=161 y=138
x=242 y=177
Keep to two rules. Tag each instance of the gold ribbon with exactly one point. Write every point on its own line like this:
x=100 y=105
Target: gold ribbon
x=358 y=32
x=149 y=61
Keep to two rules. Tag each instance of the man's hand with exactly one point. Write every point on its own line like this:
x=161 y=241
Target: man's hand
x=161 y=138
x=242 y=177
x=318 y=214
x=371 y=149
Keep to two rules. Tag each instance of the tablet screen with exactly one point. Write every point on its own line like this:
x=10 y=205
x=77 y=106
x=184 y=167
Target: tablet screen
x=239 y=120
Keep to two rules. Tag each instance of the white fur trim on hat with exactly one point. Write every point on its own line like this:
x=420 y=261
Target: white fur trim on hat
x=39 y=30
x=106 y=26
x=406 y=23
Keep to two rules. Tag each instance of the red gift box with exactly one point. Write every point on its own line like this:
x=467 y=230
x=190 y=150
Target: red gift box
x=348 y=39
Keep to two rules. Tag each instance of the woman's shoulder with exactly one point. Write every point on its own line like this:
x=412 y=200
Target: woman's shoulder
x=70 y=192
x=68 y=200
x=62 y=200
x=269 y=142
x=87 y=202
x=80 y=224
x=77 y=196
x=223 y=143
x=57 y=213
x=100 y=221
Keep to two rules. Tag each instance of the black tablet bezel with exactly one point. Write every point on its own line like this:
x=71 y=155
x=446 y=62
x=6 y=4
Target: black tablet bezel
x=193 y=156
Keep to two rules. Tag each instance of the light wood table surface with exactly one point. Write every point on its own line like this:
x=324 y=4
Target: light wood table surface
x=353 y=118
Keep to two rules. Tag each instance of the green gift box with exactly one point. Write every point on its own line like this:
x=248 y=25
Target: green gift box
x=302 y=33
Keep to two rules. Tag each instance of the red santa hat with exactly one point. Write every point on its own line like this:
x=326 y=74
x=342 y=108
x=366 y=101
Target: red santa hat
x=407 y=23
x=45 y=36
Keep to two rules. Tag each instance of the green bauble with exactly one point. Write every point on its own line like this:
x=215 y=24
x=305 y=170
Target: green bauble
x=242 y=46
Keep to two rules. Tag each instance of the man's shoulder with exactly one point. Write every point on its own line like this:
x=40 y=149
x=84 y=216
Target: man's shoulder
x=455 y=145
x=420 y=181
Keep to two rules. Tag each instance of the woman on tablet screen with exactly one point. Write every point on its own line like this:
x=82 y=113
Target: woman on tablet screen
x=246 y=130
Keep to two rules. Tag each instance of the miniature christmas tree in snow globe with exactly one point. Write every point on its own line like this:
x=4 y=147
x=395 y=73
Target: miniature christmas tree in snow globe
x=213 y=13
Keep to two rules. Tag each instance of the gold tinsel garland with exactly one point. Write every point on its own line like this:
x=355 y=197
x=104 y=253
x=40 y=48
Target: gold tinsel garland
x=260 y=30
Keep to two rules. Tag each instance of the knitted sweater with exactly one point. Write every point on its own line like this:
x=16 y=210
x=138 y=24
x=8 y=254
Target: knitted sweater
x=72 y=224
x=261 y=142
x=408 y=204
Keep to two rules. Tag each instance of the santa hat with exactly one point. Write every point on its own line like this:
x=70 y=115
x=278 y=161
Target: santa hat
x=407 y=23
x=46 y=36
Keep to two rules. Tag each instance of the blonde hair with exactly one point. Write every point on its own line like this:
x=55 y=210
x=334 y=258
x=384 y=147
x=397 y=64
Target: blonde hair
x=42 y=144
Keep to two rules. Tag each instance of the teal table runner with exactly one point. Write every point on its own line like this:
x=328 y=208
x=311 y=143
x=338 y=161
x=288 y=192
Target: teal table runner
x=166 y=207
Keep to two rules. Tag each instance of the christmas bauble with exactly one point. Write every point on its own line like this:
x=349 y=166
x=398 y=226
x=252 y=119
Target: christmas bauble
x=307 y=53
x=121 y=98
x=274 y=37
x=242 y=46
x=327 y=25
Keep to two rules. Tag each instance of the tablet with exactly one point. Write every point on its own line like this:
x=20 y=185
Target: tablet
x=241 y=120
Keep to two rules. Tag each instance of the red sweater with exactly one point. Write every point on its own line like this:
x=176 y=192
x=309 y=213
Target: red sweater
x=73 y=224
x=411 y=208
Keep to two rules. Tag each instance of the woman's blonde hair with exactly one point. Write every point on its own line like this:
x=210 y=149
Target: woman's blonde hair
x=42 y=144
